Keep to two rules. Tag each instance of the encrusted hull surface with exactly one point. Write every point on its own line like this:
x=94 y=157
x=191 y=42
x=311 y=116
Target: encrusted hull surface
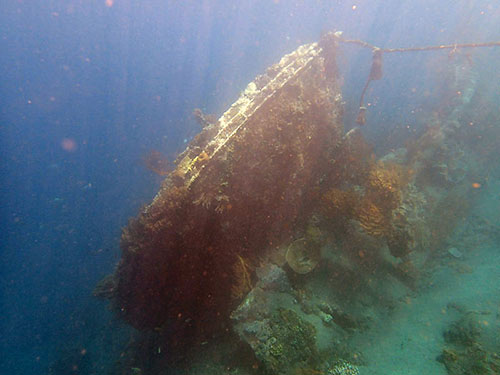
x=241 y=188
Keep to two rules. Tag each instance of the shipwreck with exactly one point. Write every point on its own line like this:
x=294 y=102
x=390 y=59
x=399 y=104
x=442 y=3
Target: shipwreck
x=272 y=181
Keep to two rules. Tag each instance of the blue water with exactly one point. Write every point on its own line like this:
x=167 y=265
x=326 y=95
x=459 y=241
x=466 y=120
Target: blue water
x=90 y=87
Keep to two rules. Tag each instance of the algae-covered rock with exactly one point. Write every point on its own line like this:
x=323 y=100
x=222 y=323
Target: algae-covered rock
x=279 y=337
x=464 y=332
x=472 y=346
x=285 y=343
x=473 y=360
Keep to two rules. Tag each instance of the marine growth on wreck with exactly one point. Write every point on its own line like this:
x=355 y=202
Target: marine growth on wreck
x=275 y=197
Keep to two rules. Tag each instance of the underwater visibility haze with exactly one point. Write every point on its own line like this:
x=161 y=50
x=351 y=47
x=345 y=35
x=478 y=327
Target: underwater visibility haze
x=250 y=187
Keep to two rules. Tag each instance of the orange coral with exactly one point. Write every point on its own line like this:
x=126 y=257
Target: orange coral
x=372 y=219
x=339 y=203
x=198 y=161
x=203 y=156
x=386 y=180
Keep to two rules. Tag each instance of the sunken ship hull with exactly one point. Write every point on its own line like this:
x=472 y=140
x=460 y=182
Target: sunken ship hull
x=243 y=187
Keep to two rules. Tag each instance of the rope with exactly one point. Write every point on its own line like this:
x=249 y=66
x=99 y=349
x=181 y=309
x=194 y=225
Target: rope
x=376 y=68
x=416 y=49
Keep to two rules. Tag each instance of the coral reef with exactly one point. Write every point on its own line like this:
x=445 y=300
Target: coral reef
x=377 y=196
x=383 y=196
x=281 y=323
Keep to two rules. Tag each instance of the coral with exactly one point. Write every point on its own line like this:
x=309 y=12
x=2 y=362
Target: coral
x=372 y=219
x=472 y=347
x=339 y=204
x=385 y=181
x=198 y=161
x=376 y=204
x=303 y=255
x=410 y=217
x=342 y=367
x=242 y=278
x=314 y=232
x=464 y=332
x=472 y=360
x=291 y=343
x=203 y=156
x=340 y=317
x=398 y=241
x=282 y=340
x=388 y=205
x=351 y=161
